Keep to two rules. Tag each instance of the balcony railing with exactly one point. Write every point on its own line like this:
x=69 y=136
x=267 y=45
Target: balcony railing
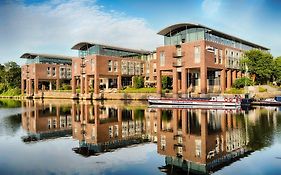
x=178 y=54
x=178 y=64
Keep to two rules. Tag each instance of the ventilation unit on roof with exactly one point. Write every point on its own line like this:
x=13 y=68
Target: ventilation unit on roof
x=210 y=49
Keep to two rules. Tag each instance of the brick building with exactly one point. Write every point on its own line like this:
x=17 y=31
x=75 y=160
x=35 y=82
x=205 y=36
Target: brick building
x=200 y=59
x=112 y=67
x=42 y=71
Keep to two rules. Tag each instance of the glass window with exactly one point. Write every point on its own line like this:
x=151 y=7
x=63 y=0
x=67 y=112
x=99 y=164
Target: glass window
x=220 y=57
x=115 y=66
x=162 y=58
x=54 y=71
x=197 y=54
x=109 y=65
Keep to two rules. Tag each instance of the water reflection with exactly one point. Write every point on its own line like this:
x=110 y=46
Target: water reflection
x=194 y=141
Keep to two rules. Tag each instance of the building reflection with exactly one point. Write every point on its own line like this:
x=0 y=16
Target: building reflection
x=43 y=120
x=105 y=127
x=200 y=141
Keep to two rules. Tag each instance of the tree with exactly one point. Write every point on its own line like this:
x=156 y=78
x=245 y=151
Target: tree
x=12 y=74
x=138 y=82
x=259 y=63
x=277 y=69
x=166 y=82
x=242 y=82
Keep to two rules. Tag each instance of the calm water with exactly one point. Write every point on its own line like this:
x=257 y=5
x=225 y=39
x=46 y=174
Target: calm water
x=115 y=137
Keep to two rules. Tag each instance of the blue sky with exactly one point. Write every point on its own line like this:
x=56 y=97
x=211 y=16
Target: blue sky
x=55 y=26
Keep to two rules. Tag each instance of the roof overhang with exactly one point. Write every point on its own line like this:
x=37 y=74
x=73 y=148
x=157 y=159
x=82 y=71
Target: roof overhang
x=182 y=26
x=87 y=45
x=34 y=55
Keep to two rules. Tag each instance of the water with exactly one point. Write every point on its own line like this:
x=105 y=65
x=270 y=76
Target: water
x=118 y=137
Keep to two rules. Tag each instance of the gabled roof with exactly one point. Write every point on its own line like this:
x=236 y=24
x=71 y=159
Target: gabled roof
x=87 y=45
x=183 y=26
x=51 y=56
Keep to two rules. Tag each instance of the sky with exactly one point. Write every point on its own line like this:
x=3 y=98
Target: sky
x=54 y=26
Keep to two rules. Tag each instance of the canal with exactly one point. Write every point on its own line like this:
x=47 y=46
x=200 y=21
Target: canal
x=128 y=137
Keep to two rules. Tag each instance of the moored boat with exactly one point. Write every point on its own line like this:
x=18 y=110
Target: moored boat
x=213 y=101
x=268 y=102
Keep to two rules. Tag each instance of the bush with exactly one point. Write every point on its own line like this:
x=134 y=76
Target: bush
x=262 y=89
x=12 y=92
x=138 y=82
x=241 y=82
x=66 y=87
x=166 y=82
x=3 y=88
x=235 y=91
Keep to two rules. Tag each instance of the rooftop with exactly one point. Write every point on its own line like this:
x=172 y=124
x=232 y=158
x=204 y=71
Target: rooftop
x=51 y=56
x=183 y=26
x=87 y=45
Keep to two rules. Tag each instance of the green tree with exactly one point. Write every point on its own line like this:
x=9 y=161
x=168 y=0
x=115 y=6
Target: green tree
x=277 y=69
x=166 y=82
x=12 y=75
x=138 y=82
x=241 y=82
x=259 y=63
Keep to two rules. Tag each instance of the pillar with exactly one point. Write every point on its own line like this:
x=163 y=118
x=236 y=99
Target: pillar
x=119 y=82
x=57 y=84
x=239 y=74
x=27 y=86
x=22 y=86
x=74 y=85
x=228 y=85
x=203 y=79
x=184 y=82
x=86 y=84
x=175 y=83
x=159 y=82
x=96 y=84
x=82 y=83
x=222 y=81
x=234 y=76
x=36 y=86
x=30 y=87
x=50 y=86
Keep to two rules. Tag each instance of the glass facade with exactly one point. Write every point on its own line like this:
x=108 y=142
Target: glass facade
x=40 y=59
x=195 y=34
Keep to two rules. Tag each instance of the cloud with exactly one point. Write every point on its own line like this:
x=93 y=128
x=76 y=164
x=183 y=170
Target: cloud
x=211 y=7
x=55 y=26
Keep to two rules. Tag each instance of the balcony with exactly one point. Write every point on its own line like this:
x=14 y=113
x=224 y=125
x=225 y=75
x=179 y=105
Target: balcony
x=83 y=65
x=178 y=54
x=178 y=64
x=83 y=71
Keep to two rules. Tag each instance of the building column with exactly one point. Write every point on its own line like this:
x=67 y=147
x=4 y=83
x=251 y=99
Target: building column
x=50 y=86
x=203 y=79
x=82 y=82
x=159 y=82
x=74 y=85
x=239 y=74
x=96 y=84
x=30 y=87
x=57 y=84
x=175 y=83
x=222 y=81
x=36 y=86
x=234 y=73
x=184 y=82
x=119 y=82
x=86 y=84
x=22 y=86
x=228 y=83
x=27 y=86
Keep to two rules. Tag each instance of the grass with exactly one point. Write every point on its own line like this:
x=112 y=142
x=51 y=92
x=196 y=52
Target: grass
x=262 y=89
x=140 y=90
x=12 y=92
x=235 y=91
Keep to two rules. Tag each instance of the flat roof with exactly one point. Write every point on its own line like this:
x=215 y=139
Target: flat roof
x=51 y=56
x=87 y=45
x=182 y=26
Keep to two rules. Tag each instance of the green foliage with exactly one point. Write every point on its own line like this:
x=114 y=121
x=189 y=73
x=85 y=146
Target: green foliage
x=10 y=79
x=242 y=82
x=12 y=92
x=139 y=90
x=277 y=69
x=65 y=87
x=138 y=82
x=235 y=91
x=3 y=88
x=262 y=89
x=259 y=63
x=166 y=82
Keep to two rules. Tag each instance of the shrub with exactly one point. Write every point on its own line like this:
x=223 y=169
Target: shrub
x=66 y=87
x=3 y=88
x=241 y=82
x=166 y=82
x=12 y=92
x=262 y=89
x=235 y=91
x=138 y=82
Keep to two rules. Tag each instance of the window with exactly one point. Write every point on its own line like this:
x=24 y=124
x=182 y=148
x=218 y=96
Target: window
x=162 y=58
x=75 y=68
x=131 y=68
x=124 y=67
x=220 y=57
x=216 y=55
x=54 y=71
x=142 y=68
x=109 y=66
x=48 y=71
x=115 y=66
x=92 y=65
x=197 y=54
x=154 y=67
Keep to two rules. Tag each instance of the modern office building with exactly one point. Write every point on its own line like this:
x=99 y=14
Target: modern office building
x=42 y=71
x=111 y=67
x=200 y=59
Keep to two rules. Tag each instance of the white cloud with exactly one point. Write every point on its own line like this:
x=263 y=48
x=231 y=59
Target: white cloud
x=211 y=7
x=55 y=26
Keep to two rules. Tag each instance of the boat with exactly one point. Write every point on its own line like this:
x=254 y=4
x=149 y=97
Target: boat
x=213 y=101
x=276 y=101
x=204 y=107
